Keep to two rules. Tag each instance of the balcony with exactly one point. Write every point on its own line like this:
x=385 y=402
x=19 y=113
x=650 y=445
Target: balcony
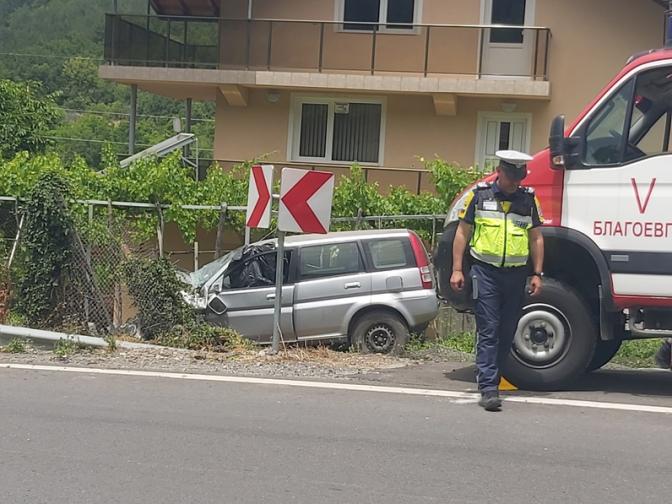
x=466 y=59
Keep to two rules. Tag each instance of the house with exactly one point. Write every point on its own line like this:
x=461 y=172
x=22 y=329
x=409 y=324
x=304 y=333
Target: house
x=326 y=83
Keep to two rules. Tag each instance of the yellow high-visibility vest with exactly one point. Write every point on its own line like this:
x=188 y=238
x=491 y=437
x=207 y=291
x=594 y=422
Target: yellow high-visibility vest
x=501 y=228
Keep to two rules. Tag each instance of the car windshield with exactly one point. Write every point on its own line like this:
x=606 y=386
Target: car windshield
x=201 y=276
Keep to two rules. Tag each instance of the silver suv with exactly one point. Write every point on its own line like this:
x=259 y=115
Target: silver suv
x=372 y=288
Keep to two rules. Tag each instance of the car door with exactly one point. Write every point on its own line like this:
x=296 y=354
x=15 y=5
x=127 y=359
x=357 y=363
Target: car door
x=331 y=284
x=248 y=306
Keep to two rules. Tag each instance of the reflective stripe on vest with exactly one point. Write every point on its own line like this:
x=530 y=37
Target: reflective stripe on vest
x=499 y=238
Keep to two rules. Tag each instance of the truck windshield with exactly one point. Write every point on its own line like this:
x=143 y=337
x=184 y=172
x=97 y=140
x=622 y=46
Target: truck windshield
x=633 y=123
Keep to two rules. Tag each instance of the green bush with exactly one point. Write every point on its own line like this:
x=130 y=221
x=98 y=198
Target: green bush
x=46 y=249
x=156 y=292
x=198 y=335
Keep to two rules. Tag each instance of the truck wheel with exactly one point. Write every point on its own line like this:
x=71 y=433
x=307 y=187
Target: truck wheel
x=379 y=331
x=604 y=352
x=555 y=340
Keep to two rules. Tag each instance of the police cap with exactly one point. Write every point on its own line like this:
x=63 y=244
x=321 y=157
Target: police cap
x=513 y=163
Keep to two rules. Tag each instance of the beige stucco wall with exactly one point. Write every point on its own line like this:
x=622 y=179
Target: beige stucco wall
x=296 y=45
x=590 y=43
x=412 y=128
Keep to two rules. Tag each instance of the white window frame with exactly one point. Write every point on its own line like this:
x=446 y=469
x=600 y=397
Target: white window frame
x=483 y=117
x=294 y=130
x=417 y=19
x=530 y=16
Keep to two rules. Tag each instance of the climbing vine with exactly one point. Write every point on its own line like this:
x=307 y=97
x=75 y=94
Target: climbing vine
x=46 y=248
x=168 y=182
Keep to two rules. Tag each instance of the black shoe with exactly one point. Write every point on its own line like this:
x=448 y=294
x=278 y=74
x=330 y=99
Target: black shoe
x=490 y=401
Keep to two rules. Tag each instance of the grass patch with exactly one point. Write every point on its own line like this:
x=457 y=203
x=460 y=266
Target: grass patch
x=16 y=345
x=66 y=347
x=202 y=336
x=111 y=343
x=463 y=342
x=638 y=353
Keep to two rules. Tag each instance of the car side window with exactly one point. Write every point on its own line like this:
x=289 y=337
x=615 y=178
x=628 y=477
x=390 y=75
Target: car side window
x=392 y=253
x=651 y=114
x=256 y=272
x=331 y=259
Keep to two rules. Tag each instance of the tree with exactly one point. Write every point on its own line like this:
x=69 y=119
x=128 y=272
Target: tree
x=26 y=116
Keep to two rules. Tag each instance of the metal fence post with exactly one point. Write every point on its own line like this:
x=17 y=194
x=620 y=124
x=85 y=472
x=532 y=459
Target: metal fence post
x=160 y=229
x=88 y=262
x=277 y=308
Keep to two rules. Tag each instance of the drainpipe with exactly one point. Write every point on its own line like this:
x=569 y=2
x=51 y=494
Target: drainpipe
x=249 y=9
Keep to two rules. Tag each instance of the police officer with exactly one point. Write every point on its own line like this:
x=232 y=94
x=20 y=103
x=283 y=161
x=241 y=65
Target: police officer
x=500 y=221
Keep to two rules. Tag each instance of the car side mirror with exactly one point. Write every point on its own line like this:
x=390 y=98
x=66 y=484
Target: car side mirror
x=217 y=306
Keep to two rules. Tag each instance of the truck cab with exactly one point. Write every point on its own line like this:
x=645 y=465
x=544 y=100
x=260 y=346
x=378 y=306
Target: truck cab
x=605 y=186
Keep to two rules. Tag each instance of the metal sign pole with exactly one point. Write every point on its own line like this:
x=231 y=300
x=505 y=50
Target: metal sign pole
x=279 y=267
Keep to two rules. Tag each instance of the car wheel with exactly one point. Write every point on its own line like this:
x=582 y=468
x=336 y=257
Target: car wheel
x=604 y=352
x=379 y=331
x=555 y=340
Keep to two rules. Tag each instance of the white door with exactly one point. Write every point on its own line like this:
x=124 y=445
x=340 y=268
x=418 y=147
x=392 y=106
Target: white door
x=620 y=194
x=500 y=132
x=507 y=52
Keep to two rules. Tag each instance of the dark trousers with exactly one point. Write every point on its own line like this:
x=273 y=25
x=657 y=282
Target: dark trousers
x=499 y=294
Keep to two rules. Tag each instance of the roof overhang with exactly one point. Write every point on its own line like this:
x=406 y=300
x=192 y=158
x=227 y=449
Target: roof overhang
x=199 y=8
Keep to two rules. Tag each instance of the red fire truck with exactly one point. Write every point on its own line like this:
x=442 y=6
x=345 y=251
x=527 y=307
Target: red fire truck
x=605 y=185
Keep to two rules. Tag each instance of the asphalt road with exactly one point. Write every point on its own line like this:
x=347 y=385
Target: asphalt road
x=80 y=438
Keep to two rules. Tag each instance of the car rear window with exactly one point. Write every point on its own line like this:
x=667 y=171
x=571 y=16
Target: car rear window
x=392 y=253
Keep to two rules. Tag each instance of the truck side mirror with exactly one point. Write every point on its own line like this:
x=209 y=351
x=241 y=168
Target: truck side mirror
x=557 y=144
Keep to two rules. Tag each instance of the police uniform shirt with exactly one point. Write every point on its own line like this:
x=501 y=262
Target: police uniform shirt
x=521 y=195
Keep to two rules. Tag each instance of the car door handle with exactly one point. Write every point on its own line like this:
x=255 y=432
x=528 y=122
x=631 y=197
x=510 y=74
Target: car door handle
x=352 y=285
x=270 y=296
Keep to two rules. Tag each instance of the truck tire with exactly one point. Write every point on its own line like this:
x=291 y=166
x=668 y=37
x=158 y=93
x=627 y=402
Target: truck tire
x=379 y=331
x=443 y=265
x=604 y=352
x=555 y=341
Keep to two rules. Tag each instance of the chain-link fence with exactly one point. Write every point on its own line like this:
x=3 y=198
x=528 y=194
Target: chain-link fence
x=96 y=295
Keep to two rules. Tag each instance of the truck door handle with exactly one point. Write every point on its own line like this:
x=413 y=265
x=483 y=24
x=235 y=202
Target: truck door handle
x=352 y=285
x=270 y=296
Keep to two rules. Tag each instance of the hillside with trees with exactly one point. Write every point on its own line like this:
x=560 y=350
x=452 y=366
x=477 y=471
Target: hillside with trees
x=57 y=45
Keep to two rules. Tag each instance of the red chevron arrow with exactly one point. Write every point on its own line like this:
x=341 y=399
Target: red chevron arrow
x=296 y=201
x=263 y=198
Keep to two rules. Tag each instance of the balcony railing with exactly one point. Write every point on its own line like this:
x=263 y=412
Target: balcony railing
x=327 y=46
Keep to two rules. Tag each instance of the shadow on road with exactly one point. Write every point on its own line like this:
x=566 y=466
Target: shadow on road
x=634 y=382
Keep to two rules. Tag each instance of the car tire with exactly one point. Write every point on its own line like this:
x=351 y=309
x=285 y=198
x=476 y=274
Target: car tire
x=379 y=331
x=561 y=316
x=604 y=352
